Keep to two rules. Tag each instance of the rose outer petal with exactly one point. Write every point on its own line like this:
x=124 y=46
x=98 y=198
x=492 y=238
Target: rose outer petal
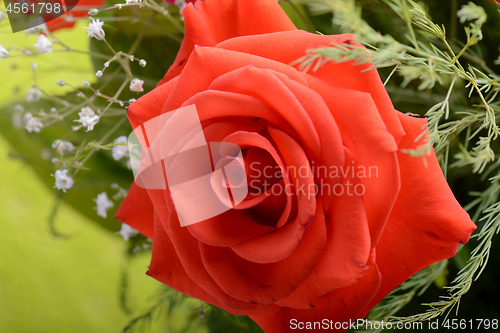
x=338 y=306
x=297 y=43
x=426 y=224
x=210 y=22
x=137 y=210
x=167 y=268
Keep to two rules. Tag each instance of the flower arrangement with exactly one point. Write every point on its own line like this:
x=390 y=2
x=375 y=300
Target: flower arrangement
x=287 y=179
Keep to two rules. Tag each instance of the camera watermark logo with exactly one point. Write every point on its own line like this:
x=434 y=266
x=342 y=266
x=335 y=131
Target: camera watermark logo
x=27 y=14
x=204 y=179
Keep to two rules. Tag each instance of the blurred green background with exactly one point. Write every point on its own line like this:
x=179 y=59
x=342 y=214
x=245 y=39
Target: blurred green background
x=48 y=283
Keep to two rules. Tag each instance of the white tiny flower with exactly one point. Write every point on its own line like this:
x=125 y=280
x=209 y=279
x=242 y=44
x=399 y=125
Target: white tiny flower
x=89 y=122
x=142 y=63
x=86 y=112
x=136 y=85
x=119 y=152
x=103 y=204
x=98 y=74
x=53 y=110
x=63 y=181
x=33 y=95
x=2 y=15
x=127 y=231
x=63 y=147
x=19 y=108
x=88 y=118
x=32 y=124
x=132 y=1
x=43 y=44
x=95 y=29
x=4 y=53
x=34 y=66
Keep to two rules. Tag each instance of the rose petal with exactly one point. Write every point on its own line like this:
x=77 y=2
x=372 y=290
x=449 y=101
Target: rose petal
x=345 y=75
x=213 y=21
x=168 y=269
x=372 y=145
x=338 y=306
x=150 y=105
x=266 y=283
x=279 y=245
x=208 y=63
x=344 y=259
x=137 y=210
x=424 y=231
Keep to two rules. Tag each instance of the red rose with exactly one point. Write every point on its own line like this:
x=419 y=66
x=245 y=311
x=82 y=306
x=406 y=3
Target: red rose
x=293 y=255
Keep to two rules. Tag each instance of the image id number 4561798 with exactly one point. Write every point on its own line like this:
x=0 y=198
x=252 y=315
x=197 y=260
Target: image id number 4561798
x=34 y=8
x=471 y=324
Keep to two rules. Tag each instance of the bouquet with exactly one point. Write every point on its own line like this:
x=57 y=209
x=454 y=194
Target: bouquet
x=283 y=165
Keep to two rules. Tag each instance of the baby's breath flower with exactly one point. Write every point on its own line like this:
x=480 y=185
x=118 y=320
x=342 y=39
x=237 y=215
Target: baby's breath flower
x=34 y=66
x=103 y=204
x=19 y=108
x=86 y=84
x=63 y=147
x=119 y=152
x=63 y=181
x=142 y=63
x=43 y=44
x=93 y=11
x=136 y=85
x=32 y=124
x=98 y=74
x=60 y=83
x=86 y=112
x=89 y=122
x=33 y=95
x=95 y=29
x=132 y=1
x=127 y=231
x=88 y=118
x=4 y=53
